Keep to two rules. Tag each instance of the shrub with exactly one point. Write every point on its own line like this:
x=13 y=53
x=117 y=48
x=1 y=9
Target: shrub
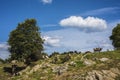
x=65 y=58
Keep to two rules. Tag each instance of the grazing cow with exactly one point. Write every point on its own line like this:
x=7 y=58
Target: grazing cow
x=97 y=49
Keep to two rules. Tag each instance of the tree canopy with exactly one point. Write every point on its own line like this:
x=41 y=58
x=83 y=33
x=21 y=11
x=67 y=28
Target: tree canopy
x=115 y=37
x=25 y=40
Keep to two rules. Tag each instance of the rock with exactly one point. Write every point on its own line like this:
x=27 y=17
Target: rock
x=98 y=75
x=115 y=70
x=14 y=61
x=95 y=59
x=112 y=75
x=118 y=64
x=72 y=63
x=104 y=59
x=43 y=78
x=103 y=74
x=89 y=62
x=45 y=65
x=59 y=69
x=35 y=68
x=24 y=71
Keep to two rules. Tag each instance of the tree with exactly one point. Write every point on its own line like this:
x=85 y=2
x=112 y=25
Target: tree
x=115 y=37
x=25 y=40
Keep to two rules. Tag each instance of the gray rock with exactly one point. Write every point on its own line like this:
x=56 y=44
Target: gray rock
x=89 y=62
x=59 y=69
x=72 y=63
x=104 y=59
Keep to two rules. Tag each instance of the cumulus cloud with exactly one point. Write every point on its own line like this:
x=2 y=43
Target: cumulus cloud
x=72 y=39
x=51 y=42
x=46 y=1
x=89 y=24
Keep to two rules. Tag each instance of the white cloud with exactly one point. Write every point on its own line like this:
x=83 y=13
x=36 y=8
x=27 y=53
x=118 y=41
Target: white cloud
x=89 y=24
x=51 y=42
x=73 y=39
x=4 y=50
x=4 y=46
x=46 y=1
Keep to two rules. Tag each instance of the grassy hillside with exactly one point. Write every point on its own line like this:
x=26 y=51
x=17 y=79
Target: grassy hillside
x=90 y=66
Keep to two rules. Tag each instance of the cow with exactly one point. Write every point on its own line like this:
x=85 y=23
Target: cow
x=97 y=49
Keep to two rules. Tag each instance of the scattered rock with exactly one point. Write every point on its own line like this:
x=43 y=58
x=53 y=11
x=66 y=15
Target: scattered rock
x=72 y=63
x=45 y=65
x=102 y=75
x=89 y=62
x=104 y=59
x=24 y=71
x=59 y=69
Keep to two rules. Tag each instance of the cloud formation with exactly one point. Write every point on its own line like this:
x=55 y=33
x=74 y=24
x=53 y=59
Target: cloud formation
x=4 y=50
x=46 y=1
x=51 y=42
x=4 y=46
x=100 y=11
x=72 y=39
x=89 y=24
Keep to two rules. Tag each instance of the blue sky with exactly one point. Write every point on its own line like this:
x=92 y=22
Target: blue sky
x=65 y=24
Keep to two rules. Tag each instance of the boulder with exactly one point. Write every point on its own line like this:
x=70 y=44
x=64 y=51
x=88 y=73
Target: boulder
x=72 y=63
x=59 y=69
x=104 y=59
x=89 y=62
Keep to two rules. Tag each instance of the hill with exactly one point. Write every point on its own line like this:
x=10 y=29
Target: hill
x=90 y=66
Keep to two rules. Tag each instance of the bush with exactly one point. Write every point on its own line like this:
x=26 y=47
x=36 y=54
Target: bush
x=54 y=54
x=1 y=60
x=65 y=58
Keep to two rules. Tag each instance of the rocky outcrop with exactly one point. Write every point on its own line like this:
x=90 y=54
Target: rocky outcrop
x=103 y=74
x=98 y=75
x=59 y=69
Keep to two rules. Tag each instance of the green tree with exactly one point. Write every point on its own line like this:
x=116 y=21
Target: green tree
x=25 y=40
x=115 y=37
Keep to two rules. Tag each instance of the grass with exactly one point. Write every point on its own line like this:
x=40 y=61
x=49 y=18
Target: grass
x=80 y=68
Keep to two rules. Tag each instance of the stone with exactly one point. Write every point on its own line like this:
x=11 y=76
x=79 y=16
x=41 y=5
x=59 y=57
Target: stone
x=72 y=63
x=89 y=62
x=104 y=59
x=115 y=70
x=59 y=69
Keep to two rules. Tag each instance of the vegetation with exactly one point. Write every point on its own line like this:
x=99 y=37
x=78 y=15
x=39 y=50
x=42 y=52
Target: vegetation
x=115 y=37
x=2 y=61
x=26 y=41
x=26 y=44
x=73 y=66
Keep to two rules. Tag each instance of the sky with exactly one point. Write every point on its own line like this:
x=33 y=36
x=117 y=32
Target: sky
x=65 y=25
